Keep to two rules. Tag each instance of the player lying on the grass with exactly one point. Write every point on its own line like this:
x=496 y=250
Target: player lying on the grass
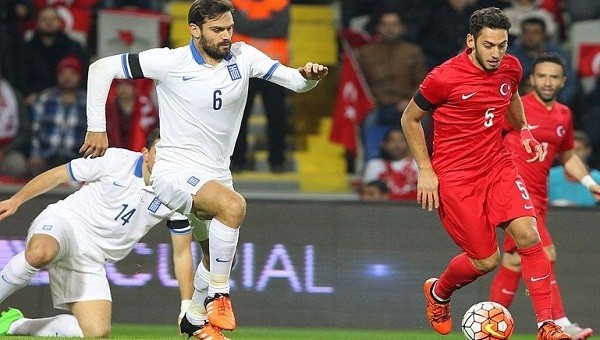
x=99 y=223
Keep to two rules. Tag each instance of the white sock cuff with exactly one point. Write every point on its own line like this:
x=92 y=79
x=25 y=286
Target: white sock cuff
x=202 y=279
x=22 y=264
x=223 y=232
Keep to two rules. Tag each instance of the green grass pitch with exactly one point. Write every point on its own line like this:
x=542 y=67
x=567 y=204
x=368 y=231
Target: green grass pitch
x=151 y=332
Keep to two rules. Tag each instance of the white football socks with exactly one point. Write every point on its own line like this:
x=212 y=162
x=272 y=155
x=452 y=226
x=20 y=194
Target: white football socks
x=222 y=243
x=196 y=314
x=15 y=275
x=63 y=325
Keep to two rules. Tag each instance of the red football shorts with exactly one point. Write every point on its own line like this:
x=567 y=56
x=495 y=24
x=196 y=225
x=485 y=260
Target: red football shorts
x=470 y=213
x=509 y=243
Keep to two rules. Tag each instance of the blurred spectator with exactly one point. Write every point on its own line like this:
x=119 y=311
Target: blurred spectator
x=566 y=191
x=415 y=15
x=590 y=123
x=579 y=10
x=12 y=13
x=524 y=9
x=374 y=191
x=396 y=167
x=59 y=120
x=533 y=43
x=130 y=113
x=492 y=3
x=42 y=53
x=15 y=132
x=151 y=5
x=352 y=9
x=392 y=82
x=444 y=36
x=76 y=17
x=264 y=24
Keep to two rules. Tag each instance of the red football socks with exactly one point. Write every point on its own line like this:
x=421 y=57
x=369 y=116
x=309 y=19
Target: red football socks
x=504 y=286
x=537 y=275
x=459 y=273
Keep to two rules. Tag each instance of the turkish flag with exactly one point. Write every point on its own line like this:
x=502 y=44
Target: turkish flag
x=589 y=59
x=353 y=101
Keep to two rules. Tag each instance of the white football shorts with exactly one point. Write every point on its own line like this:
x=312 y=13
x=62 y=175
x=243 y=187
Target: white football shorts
x=77 y=273
x=175 y=188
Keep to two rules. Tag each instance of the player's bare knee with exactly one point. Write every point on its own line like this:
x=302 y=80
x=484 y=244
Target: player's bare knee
x=488 y=264
x=234 y=210
x=99 y=330
x=40 y=253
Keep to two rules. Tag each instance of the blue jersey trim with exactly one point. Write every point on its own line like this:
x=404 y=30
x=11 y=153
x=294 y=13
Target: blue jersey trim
x=138 y=167
x=125 y=67
x=70 y=170
x=182 y=231
x=271 y=70
x=197 y=57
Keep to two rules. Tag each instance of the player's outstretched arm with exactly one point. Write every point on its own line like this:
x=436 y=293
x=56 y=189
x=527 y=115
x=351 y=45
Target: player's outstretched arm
x=37 y=186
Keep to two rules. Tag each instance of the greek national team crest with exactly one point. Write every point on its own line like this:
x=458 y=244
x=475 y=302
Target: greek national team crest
x=193 y=180
x=154 y=205
x=234 y=72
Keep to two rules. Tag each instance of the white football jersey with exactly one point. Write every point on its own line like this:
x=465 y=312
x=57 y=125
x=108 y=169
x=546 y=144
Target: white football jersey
x=114 y=207
x=201 y=106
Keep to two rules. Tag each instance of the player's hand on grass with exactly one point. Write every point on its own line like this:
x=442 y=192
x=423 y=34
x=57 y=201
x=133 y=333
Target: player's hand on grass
x=427 y=189
x=531 y=145
x=94 y=145
x=313 y=71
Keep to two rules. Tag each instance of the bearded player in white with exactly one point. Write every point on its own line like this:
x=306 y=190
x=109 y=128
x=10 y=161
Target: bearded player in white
x=201 y=89
x=74 y=237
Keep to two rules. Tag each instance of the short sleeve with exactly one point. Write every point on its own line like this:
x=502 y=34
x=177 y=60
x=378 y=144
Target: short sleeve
x=433 y=88
x=90 y=169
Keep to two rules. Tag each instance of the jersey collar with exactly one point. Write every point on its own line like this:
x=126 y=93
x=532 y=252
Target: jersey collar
x=197 y=57
x=138 y=167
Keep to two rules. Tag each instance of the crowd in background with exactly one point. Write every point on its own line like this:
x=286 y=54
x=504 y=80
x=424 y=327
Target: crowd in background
x=437 y=30
x=47 y=45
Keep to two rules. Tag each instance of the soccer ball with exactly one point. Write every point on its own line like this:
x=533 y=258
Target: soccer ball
x=487 y=321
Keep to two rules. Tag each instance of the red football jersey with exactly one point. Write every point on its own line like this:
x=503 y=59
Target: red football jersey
x=554 y=130
x=469 y=108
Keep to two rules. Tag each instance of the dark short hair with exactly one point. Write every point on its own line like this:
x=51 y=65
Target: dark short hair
x=152 y=137
x=201 y=10
x=534 y=21
x=490 y=17
x=379 y=184
x=550 y=58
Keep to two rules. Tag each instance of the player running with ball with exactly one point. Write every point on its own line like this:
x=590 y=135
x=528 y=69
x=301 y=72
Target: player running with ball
x=471 y=179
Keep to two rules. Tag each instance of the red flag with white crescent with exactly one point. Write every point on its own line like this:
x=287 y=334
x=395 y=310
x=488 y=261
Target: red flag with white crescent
x=353 y=101
x=589 y=59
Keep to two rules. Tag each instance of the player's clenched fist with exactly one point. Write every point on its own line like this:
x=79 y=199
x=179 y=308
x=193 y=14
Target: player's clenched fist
x=313 y=71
